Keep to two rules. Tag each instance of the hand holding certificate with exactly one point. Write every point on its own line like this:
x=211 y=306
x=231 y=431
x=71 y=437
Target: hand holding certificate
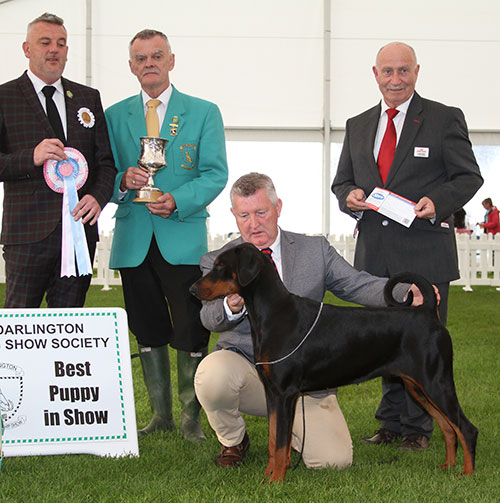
x=392 y=205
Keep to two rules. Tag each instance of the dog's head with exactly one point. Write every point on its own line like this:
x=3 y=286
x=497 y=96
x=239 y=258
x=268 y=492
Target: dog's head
x=233 y=270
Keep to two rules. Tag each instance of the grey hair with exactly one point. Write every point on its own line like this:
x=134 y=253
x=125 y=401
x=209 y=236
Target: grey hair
x=47 y=17
x=247 y=185
x=146 y=35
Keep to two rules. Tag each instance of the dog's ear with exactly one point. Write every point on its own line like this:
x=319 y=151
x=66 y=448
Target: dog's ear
x=249 y=263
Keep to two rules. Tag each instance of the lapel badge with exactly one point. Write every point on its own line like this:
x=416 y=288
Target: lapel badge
x=69 y=94
x=85 y=117
x=174 y=125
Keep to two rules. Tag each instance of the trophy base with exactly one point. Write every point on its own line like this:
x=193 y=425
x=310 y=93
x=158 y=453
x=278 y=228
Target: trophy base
x=147 y=195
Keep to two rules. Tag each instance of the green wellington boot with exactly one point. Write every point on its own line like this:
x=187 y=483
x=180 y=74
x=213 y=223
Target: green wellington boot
x=190 y=414
x=156 y=371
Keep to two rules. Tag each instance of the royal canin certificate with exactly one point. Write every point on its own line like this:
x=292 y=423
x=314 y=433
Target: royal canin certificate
x=392 y=205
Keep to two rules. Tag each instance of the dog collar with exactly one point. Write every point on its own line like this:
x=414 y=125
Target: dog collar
x=299 y=344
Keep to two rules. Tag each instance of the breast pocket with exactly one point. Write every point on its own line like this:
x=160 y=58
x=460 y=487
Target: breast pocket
x=186 y=158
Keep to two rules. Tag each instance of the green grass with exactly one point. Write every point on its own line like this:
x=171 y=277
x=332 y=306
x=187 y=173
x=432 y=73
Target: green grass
x=170 y=469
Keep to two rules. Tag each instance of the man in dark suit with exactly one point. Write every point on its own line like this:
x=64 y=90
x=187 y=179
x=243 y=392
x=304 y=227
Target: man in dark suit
x=31 y=226
x=227 y=383
x=432 y=165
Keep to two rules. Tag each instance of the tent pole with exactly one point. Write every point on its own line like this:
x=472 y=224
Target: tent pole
x=88 y=44
x=326 y=118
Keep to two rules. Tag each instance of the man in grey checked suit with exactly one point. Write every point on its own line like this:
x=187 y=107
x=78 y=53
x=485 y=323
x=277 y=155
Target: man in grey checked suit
x=226 y=382
x=433 y=166
x=31 y=225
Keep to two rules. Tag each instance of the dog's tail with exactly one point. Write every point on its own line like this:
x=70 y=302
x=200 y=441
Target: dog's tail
x=423 y=285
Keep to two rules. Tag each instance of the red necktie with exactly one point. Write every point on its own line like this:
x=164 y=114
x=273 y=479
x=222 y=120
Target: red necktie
x=269 y=254
x=388 y=146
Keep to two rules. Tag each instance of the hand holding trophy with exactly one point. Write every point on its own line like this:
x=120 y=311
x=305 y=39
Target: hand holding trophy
x=152 y=159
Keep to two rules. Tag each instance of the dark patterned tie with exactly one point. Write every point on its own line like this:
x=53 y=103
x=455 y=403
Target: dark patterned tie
x=269 y=254
x=388 y=146
x=52 y=113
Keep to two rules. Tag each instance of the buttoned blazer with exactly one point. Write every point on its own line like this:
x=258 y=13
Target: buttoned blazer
x=196 y=172
x=31 y=209
x=447 y=173
x=310 y=267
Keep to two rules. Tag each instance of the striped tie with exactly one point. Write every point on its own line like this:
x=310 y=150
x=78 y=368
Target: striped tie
x=269 y=254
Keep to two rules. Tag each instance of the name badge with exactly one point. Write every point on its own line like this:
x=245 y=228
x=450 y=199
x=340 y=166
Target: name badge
x=421 y=152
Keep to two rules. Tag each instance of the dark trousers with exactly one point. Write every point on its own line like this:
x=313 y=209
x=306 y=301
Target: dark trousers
x=398 y=411
x=34 y=269
x=159 y=306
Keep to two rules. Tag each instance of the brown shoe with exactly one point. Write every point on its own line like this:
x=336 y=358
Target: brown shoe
x=414 y=442
x=382 y=436
x=233 y=456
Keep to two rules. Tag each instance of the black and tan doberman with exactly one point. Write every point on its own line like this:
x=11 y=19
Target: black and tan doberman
x=301 y=345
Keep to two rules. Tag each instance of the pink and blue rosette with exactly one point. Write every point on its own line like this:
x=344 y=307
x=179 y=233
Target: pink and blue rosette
x=67 y=177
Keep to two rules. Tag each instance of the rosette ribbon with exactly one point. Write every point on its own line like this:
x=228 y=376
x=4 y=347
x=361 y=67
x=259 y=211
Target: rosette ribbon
x=74 y=240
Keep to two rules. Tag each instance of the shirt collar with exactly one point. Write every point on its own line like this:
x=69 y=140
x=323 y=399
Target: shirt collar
x=276 y=246
x=164 y=96
x=403 y=108
x=39 y=84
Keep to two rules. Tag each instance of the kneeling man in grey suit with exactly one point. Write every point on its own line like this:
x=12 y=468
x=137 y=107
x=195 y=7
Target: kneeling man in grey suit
x=227 y=383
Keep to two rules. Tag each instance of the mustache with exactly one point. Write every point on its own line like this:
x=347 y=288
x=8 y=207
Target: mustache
x=150 y=70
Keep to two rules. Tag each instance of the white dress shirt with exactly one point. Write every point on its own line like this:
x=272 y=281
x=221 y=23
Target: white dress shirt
x=58 y=97
x=398 y=120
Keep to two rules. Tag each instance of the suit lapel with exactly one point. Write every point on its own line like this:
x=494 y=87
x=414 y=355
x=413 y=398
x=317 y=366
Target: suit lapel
x=71 y=101
x=32 y=100
x=288 y=251
x=136 y=122
x=174 y=121
x=368 y=131
x=411 y=126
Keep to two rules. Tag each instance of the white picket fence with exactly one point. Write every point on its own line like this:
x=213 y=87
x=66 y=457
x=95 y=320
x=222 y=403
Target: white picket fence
x=478 y=257
x=478 y=260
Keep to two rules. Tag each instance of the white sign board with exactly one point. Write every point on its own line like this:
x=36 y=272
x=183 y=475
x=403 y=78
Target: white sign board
x=66 y=382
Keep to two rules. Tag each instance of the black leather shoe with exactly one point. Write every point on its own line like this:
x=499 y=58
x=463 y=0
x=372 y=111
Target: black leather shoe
x=233 y=456
x=382 y=436
x=414 y=442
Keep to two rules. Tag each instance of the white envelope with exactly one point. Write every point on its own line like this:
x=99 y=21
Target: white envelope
x=392 y=205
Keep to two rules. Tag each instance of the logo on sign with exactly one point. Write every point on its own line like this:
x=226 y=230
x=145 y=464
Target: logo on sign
x=11 y=394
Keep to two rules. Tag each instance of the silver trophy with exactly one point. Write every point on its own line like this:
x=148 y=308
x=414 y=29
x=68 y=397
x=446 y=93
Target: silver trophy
x=152 y=159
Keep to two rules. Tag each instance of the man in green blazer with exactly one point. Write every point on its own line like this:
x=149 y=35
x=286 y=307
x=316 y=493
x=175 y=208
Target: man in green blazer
x=157 y=246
